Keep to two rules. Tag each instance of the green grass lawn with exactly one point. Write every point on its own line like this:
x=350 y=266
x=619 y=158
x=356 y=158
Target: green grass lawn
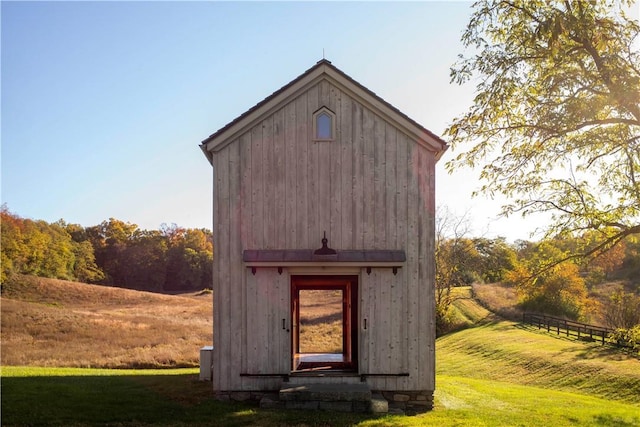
x=46 y=396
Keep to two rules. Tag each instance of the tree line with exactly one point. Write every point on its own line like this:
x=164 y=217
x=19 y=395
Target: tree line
x=114 y=253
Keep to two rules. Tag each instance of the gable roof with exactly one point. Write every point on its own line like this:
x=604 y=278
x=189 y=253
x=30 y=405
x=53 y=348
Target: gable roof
x=323 y=69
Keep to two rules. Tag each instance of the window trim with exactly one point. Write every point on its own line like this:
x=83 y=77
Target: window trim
x=332 y=117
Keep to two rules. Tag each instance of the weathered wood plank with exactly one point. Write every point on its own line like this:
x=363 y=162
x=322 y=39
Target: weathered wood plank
x=358 y=177
x=291 y=169
x=383 y=330
x=235 y=259
x=371 y=321
x=302 y=173
x=423 y=333
x=257 y=190
x=402 y=240
x=217 y=353
x=264 y=321
x=346 y=172
x=335 y=171
x=254 y=306
x=279 y=177
x=253 y=326
x=243 y=227
x=428 y=259
x=271 y=299
x=284 y=302
x=396 y=352
x=269 y=182
x=379 y=188
x=363 y=317
x=391 y=187
x=223 y=288
x=368 y=174
x=413 y=237
x=314 y=224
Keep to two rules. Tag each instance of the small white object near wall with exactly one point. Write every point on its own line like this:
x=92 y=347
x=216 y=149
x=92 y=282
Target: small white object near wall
x=206 y=363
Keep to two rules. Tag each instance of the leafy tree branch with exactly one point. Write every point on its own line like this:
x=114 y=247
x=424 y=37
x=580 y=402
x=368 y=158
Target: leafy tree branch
x=555 y=123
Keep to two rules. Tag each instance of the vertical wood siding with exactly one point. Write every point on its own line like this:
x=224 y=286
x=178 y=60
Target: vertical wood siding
x=370 y=188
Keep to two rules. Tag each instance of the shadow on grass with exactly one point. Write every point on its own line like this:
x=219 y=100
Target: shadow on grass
x=319 y=320
x=139 y=400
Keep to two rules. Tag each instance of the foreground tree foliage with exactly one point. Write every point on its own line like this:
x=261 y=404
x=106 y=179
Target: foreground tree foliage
x=555 y=124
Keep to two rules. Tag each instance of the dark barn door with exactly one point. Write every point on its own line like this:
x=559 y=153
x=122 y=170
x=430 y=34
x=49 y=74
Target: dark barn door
x=324 y=314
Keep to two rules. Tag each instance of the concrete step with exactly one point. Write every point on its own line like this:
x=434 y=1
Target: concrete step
x=331 y=397
x=327 y=392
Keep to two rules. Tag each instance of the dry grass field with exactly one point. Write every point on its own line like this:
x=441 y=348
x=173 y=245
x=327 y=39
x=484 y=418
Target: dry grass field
x=47 y=322
x=503 y=300
x=498 y=298
x=320 y=321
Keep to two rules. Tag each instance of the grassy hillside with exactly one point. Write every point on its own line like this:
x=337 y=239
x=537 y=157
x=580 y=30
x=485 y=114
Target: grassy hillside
x=509 y=352
x=48 y=322
x=499 y=350
x=466 y=310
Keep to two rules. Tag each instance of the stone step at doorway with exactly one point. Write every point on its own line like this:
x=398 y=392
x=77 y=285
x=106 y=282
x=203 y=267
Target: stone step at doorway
x=329 y=397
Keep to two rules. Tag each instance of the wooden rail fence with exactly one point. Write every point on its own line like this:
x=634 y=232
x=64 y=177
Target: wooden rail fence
x=567 y=327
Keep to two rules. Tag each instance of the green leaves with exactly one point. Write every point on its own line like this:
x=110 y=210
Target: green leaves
x=555 y=124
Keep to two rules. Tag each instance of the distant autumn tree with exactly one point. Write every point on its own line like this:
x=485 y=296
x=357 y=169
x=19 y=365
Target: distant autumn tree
x=606 y=263
x=189 y=258
x=111 y=240
x=556 y=288
x=42 y=249
x=622 y=310
x=497 y=257
x=555 y=123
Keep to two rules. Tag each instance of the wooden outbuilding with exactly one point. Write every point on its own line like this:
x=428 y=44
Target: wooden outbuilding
x=324 y=186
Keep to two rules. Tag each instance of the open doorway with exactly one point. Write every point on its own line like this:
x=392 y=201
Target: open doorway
x=324 y=319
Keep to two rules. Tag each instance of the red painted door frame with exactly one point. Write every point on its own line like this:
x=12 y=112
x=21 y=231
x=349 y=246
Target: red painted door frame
x=349 y=287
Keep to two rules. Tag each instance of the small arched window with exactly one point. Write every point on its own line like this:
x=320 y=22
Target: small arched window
x=324 y=125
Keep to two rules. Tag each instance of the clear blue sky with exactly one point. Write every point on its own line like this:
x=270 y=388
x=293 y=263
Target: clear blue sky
x=104 y=104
